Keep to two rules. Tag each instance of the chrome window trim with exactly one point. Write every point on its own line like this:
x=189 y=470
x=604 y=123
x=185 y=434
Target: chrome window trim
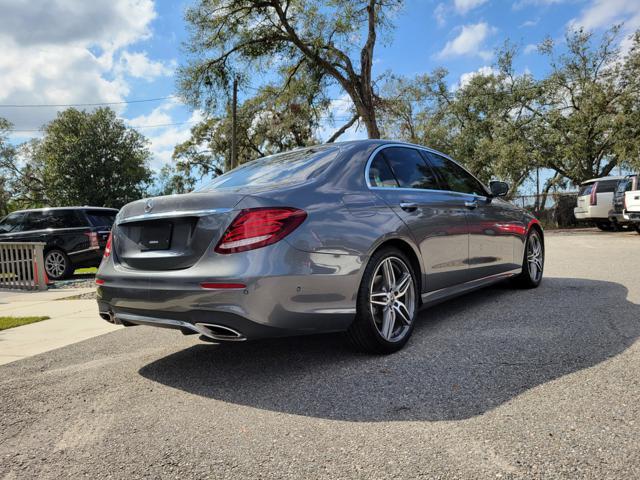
x=424 y=149
x=172 y=214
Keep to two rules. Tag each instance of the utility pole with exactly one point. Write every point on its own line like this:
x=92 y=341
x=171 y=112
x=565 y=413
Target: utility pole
x=234 y=125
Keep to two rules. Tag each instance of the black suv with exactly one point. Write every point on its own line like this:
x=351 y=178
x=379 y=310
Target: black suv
x=75 y=237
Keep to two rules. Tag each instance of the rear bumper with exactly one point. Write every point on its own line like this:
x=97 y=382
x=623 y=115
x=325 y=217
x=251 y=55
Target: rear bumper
x=288 y=292
x=632 y=216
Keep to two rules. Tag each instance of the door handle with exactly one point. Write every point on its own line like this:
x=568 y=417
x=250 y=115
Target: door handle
x=471 y=205
x=408 y=206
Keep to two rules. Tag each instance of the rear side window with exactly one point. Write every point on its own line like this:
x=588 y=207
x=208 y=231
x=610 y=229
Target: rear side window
x=410 y=169
x=456 y=177
x=380 y=174
x=99 y=218
x=607 y=186
x=282 y=169
x=585 y=189
x=54 y=219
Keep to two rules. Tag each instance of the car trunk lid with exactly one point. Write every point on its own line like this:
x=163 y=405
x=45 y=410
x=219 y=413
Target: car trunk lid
x=172 y=232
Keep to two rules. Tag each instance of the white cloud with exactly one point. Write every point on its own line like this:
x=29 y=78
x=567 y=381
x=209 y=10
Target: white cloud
x=464 y=6
x=68 y=51
x=341 y=109
x=528 y=49
x=139 y=65
x=605 y=13
x=470 y=41
x=164 y=137
x=466 y=78
x=440 y=14
x=530 y=23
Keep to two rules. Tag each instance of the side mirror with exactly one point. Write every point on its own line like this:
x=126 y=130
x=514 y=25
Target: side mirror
x=499 y=189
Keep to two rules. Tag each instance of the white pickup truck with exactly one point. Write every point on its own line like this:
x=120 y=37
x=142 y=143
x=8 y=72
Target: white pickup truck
x=632 y=208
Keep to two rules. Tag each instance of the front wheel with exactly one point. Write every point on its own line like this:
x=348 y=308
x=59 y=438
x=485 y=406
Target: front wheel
x=533 y=262
x=387 y=304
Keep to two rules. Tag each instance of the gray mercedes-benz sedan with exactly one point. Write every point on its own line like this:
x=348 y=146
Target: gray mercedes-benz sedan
x=352 y=237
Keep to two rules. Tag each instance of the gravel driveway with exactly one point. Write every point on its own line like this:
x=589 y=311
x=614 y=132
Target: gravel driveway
x=500 y=383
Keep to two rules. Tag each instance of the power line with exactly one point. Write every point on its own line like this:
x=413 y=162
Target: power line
x=55 y=105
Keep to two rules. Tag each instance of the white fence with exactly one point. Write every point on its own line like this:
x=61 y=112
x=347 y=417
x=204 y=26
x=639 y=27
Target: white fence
x=22 y=266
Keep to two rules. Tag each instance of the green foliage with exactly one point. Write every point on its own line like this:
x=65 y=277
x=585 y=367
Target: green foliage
x=277 y=118
x=92 y=158
x=246 y=38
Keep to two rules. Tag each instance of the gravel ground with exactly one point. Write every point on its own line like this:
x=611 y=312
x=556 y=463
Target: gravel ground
x=498 y=384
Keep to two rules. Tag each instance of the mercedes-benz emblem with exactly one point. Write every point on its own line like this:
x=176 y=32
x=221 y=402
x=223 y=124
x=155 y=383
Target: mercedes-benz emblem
x=148 y=206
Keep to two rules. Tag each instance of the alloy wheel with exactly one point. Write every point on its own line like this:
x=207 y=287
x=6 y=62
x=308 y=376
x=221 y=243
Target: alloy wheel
x=55 y=264
x=535 y=257
x=392 y=299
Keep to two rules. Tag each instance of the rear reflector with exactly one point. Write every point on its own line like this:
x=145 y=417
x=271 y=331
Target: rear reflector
x=99 y=281
x=259 y=227
x=222 y=286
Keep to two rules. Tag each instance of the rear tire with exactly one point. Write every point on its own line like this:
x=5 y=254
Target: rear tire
x=637 y=227
x=57 y=265
x=605 y=226
x=387 y=304
x=533 y=261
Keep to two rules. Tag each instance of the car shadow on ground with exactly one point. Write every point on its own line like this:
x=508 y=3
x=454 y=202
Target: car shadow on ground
x=466 y=356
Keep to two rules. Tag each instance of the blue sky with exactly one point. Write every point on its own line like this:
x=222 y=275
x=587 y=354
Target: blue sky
x=124 y=50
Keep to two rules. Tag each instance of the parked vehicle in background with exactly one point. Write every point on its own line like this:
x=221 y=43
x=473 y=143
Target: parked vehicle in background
x=348 y=237
x=75 y=237
x=595 y=201
x=627 y=184
x=632 y=207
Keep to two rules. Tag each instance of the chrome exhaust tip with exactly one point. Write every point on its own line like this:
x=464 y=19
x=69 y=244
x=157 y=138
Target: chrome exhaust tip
x=220 y=332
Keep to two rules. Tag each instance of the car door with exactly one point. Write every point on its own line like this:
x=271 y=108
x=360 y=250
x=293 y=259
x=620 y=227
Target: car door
x=494 y=224
x=435 y=218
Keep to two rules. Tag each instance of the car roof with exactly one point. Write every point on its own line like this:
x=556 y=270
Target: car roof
x=593 y=180
x=105 y=209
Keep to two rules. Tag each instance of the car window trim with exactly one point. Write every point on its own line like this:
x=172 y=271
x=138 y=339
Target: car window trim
x=420 y=149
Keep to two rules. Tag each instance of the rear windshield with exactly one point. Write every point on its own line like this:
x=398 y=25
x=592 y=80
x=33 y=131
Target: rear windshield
x=276 y=170
x=607 y=186
x=99 y=218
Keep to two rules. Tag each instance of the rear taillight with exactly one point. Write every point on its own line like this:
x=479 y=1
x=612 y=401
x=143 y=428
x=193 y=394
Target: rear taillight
x=107 y=248
x=594 y=196
x=259 y=227
x=93 y=239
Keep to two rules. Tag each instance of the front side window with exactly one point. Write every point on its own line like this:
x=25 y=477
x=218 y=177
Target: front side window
x=12 y=223
x=457 y=179
x=288 y=168
x=410 y=169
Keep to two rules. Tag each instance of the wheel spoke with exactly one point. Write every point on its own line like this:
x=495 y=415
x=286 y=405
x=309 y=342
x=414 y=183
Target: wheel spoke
x=403 y=285
x=379 y=298
x=388 y=323
x=389 y=275
x=402 y=311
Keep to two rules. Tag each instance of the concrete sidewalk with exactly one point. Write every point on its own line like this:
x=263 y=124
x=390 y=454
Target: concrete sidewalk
x=70 y=321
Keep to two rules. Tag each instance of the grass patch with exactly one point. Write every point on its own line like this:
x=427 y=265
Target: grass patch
x=86 y=271
x=11 y=322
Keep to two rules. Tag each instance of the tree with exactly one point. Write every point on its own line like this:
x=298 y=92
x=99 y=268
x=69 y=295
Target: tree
x=92 y=158
x=483 y=123
x=587 y=121
x=278 y=117
x=5 y=152
x=241 y=37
